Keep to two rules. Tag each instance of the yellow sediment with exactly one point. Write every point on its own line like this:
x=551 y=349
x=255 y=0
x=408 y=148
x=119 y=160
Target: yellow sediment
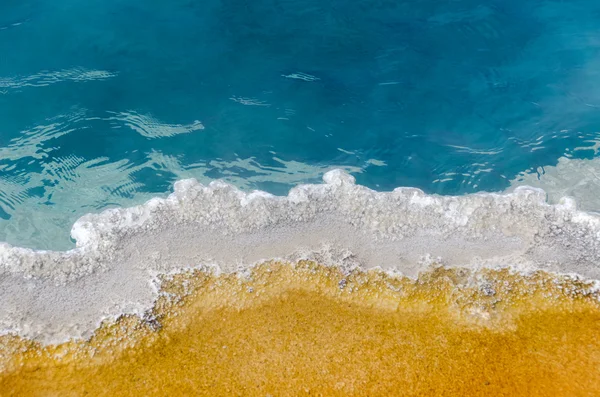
x=284 y=330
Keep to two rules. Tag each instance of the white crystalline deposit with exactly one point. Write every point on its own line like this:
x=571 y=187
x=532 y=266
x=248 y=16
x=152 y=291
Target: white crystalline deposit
x=53 y=296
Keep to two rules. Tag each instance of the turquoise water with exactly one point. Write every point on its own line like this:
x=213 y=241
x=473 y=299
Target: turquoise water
x=107 y=103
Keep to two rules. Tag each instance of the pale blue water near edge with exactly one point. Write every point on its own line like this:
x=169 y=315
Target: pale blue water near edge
x=106 y=103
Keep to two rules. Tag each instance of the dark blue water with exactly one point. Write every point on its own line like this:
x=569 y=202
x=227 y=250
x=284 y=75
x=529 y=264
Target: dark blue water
x=108 y=102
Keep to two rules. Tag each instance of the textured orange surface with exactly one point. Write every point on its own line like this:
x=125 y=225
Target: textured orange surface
x=310 y=330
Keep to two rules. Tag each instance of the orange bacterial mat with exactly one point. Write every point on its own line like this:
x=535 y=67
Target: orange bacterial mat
x=306 y=329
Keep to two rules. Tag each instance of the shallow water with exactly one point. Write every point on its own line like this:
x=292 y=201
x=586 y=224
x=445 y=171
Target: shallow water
x=107 y=103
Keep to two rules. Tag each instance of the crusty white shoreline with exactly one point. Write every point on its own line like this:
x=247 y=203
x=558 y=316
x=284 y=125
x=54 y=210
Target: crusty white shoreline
x=55 y=296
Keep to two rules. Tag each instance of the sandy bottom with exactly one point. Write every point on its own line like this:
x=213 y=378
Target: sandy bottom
x=310 y=330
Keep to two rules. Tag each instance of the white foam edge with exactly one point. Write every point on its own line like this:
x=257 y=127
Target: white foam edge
x=54 y=296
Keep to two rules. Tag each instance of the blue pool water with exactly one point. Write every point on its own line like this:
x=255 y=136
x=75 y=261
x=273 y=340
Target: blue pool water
x=106 y=103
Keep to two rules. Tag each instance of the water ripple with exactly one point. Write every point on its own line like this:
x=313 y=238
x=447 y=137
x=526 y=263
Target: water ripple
x=46 y=78
x=149 y=127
